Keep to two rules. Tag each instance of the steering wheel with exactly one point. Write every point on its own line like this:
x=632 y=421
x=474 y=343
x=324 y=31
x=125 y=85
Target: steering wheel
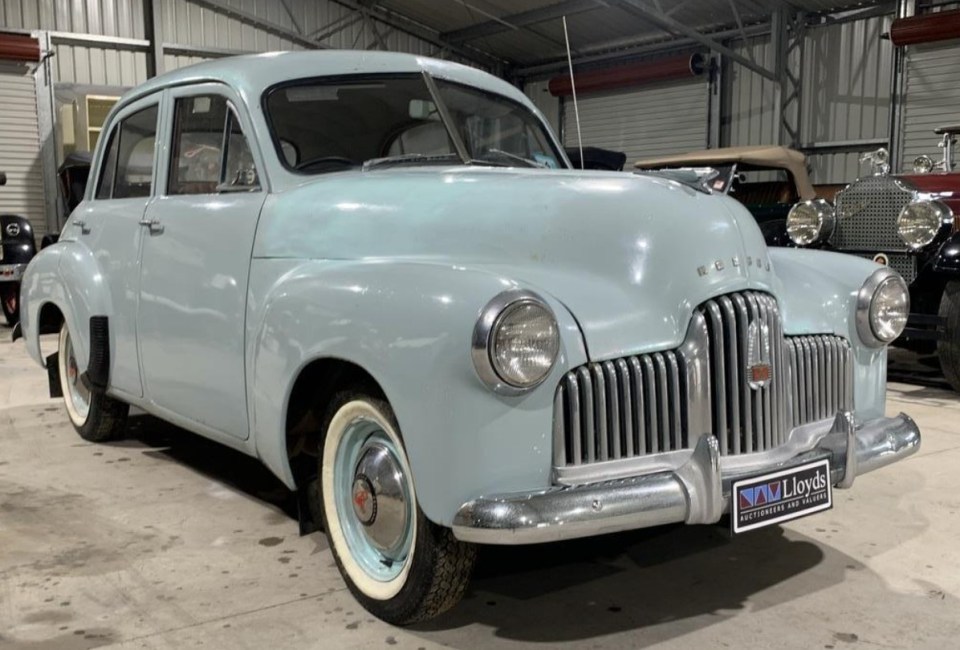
x=322 y=160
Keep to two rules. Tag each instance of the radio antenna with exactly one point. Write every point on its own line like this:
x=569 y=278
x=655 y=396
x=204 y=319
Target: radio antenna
x=573 y=90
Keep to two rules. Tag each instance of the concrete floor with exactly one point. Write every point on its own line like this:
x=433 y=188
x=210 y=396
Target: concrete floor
x=169 y=541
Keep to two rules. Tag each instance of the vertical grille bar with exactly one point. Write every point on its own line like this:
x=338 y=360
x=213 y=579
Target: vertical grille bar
x=661 y=401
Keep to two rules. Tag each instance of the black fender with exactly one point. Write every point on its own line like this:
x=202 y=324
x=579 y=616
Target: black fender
x=947 y=258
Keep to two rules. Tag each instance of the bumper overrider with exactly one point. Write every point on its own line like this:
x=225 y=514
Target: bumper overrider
x=694 y=492
x=12 y=272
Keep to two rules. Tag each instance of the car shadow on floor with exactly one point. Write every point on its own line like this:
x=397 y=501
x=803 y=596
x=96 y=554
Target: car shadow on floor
x=244 y=474
x=686 y=575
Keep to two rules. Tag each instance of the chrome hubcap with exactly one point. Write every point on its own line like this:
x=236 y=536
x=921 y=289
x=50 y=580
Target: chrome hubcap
x=375 y=504
x=380 y=498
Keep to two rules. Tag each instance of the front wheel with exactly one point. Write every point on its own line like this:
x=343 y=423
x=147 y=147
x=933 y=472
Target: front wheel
x=10 y=300
x=95 y=416
x=948 y=346
x=398 y=564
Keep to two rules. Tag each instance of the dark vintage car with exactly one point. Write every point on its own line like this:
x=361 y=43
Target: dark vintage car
x=17 y=248
x=767 y=180
x=907 y=222
x=596 y=158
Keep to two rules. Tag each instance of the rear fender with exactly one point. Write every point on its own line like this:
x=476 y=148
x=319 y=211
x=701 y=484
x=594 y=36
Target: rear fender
x=68 y=276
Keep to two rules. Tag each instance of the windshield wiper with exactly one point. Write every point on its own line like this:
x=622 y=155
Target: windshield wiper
x=407 y=158
x=528 y=162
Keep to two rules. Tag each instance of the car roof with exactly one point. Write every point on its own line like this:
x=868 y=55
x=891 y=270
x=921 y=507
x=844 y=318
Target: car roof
x=766 y=156
x=251 y=74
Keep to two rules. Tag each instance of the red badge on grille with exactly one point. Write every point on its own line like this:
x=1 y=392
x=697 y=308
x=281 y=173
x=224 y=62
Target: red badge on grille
x=760 y=374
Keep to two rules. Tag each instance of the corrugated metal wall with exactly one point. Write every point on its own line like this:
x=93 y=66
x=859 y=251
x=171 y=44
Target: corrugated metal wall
x=748 y=100
x=184 y=23
x=847 y=84
x=846 y=78
x=19 y=146
x=660 y=119
x=932 y=98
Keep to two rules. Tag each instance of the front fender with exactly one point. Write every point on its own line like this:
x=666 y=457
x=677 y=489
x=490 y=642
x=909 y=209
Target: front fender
x=817 y=294
x=67 y=275
x=409 y=325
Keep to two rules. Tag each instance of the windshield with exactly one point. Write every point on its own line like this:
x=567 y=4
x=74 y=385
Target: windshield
x=334 y=124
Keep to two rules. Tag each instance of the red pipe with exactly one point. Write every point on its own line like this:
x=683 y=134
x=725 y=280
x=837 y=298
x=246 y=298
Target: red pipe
x=928 y=28
x=17 y=47
x=687 y=65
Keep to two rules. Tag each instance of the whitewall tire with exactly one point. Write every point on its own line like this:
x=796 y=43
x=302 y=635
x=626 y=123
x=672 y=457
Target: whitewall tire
x=95 y=416
x=399 y=565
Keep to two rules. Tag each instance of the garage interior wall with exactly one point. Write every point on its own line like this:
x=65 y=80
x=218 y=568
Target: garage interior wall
x=20 y=146
x=658 y=119
x=932 y=97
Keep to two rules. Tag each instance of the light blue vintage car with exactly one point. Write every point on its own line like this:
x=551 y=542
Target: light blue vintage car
x=377 y=273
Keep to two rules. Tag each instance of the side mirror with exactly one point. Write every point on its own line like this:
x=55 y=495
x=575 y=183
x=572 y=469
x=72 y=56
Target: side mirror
x=3 y=178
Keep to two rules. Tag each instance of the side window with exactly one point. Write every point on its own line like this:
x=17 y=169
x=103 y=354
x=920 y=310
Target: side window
x=239 y=172
x=109 y=169
x=209 y=152
x=138 y=139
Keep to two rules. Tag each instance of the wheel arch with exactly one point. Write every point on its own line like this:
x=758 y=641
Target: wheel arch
x=315 y=386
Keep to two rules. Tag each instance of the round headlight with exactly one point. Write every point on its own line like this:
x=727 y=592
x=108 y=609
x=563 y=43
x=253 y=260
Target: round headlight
x=922 y=165
x=810 y=222
x=883 y=305
x=920 y=221
x=515 y=342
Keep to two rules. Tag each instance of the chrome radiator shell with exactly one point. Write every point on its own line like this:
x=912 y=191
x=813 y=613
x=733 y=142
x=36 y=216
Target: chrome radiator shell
x=662 y=402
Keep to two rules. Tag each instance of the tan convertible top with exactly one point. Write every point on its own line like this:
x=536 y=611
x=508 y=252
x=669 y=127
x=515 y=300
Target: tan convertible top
x=769 y=157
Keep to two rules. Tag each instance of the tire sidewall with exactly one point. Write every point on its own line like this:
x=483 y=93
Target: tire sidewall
x=78 y=421
x=343 y=413
x=948 y=347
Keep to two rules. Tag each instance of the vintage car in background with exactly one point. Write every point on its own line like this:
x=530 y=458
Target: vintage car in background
x=17 y=248
x=909 y=223
x=373 y=272
x=596 y=158
x=768 y=180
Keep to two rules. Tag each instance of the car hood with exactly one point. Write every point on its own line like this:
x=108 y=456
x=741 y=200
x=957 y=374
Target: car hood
x=629 y=255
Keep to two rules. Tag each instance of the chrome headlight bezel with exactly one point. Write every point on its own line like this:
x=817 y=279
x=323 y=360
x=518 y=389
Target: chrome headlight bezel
x=923 y=164
x=938 y=215
x=865 y=314
x=819 y=215
x=484 y=341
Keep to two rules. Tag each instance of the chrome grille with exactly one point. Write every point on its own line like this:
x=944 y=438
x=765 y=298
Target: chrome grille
x=821 y=381
x=663 y=401
x=867 y=214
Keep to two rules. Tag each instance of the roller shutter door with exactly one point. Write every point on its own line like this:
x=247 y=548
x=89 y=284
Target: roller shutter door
x=20 y=146
x=932 y=97
x=665 y=118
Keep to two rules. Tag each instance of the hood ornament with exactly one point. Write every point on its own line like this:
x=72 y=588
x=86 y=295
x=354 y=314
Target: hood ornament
x=759 y=370
x=879 y=159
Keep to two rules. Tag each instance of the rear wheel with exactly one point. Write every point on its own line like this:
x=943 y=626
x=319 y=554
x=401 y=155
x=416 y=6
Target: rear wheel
x=948 y=347
x=398 y=564
x=95 y=416
x=10 y=301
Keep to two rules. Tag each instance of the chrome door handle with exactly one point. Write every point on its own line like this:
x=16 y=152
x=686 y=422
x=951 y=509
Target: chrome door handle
x=153 y=224
x=82 y=225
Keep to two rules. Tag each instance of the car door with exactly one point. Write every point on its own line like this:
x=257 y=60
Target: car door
x=109 y=226
x=197 y=241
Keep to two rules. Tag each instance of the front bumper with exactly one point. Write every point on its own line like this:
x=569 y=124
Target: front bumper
x=12 y=272
x=697 y=492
